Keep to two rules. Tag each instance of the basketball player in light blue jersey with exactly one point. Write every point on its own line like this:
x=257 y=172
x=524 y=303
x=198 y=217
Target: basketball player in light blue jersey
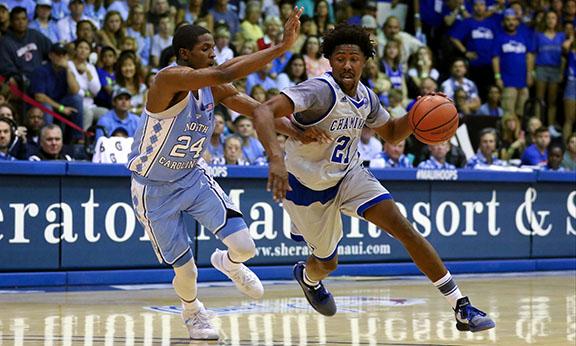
x=169 y=176
x=328 y=179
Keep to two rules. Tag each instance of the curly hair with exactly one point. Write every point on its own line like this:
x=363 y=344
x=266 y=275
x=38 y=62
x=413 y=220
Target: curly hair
x=347 y=34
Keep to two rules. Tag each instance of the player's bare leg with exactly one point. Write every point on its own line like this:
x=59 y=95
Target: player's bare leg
x=387 y=216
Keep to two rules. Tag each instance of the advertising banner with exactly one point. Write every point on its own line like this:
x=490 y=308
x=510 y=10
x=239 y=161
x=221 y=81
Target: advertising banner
x=69 y=222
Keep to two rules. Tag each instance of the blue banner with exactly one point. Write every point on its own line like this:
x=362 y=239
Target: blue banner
x=81 y=217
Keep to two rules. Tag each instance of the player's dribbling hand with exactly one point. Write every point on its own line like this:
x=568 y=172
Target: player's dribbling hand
x=292 y=27
x=277 y=179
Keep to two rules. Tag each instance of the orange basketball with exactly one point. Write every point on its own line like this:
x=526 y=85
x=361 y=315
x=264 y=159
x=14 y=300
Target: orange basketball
x=434 y=119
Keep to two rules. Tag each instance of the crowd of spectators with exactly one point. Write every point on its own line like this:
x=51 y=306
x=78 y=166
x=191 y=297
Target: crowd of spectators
x=509 y=66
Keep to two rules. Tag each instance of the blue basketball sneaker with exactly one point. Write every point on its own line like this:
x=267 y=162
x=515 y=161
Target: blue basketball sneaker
x=319 y=297
x=468 y=318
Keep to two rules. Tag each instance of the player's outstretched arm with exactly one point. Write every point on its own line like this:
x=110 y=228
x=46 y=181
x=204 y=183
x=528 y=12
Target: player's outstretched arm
x=182 y=78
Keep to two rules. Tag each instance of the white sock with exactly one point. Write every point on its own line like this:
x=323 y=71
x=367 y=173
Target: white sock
x=193 y=306
x=308 y=281
x=449 y=289
x=228 y=264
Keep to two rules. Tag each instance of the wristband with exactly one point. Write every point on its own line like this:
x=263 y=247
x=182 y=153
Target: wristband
x=497 y=76
x=61 y=108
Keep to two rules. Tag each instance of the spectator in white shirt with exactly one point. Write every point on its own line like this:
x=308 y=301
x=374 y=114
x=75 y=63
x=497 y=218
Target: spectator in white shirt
x=369 y=146
x=87 y=78
x=161 y=40
x=67 y=25
x=222 y=49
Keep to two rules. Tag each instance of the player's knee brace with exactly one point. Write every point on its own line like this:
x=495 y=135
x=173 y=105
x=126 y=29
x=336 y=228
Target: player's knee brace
x=240 y=245
x=184 y=281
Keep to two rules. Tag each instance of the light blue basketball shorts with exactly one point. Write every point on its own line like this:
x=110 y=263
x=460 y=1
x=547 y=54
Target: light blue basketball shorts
x=160 y=208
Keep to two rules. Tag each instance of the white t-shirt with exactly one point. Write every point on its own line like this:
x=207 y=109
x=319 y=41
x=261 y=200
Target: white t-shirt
x=112 y=150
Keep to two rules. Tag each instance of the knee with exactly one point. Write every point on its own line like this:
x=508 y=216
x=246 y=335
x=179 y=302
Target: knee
x=186 y=273
x=242 y=251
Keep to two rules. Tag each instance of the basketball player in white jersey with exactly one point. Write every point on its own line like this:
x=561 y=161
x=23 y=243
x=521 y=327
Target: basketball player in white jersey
x=169 y=176
x=327 y=179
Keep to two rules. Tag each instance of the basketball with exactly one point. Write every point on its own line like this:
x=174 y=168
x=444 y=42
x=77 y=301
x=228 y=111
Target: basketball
x=434 y=119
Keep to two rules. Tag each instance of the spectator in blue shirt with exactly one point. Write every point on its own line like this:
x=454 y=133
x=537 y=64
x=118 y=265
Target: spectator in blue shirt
x=548 y=50
x=232 y=153
x=537 y=153
x=437 y=158
x=106 y=61
x=43 y=21
x=392 y=157
x=252 y=149
x=513 y=64
x=224 y=14
x=261 y=78
x=119 y=116
x=555 y=154
x=215 y=147
x=570 y=92
x=486 y=154
x=473 y=37
x=54 y=85
x=492 y=105
x=458 y=80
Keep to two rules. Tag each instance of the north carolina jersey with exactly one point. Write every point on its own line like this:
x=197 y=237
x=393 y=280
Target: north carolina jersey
x=320 y=102
x=167 y=145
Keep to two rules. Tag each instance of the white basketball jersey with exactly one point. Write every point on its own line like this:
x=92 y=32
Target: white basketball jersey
x=320 y=102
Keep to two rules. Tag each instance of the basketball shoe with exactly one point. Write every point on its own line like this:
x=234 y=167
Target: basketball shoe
x=468 y=318
x=319 y=297
x=199 y=324
x=245 y=280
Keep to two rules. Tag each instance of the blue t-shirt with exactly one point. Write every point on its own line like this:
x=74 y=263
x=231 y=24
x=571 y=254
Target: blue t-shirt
x=431 y=12
x=254 y=79
x=110 y=122
x=254 y=151
x=533 y=157
x=477 y=36
x=106 y=78
x=46 y=80
x=51 y=31
x=548 y=51
x=571 y=66
x=512 y=50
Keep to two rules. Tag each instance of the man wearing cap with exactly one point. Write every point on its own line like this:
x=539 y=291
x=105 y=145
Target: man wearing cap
x=67 y=25
x=513 y=64
x=43 y=21
x=54 y=85
x=473 y=37
x=118 y=116
x=22 y=49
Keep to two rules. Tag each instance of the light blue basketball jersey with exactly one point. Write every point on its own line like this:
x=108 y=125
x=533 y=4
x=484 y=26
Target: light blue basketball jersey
x=168 y=145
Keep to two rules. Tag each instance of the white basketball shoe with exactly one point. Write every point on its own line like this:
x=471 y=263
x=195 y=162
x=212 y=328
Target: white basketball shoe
x=199 y=324
x=245 y=280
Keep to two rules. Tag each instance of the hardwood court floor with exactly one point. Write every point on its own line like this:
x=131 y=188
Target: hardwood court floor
x=537 y=309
